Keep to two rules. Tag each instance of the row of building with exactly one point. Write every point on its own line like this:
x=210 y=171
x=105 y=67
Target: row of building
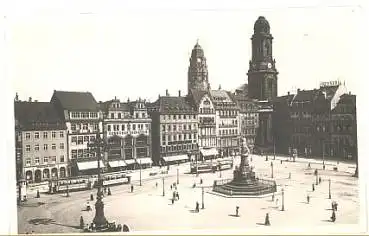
x=52 y=138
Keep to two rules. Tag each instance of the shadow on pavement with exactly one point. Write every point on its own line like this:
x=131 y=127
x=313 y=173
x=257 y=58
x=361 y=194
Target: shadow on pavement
x=193 y=211
x=48 y=221
x=326 y=221
x=260 y=224
x=233 y=215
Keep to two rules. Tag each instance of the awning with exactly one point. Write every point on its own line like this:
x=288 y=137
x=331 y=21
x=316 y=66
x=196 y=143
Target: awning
x=130 y=161
x=117 y=163
x=146 y=160
x=89 y=165
x=175 y=158
x=209 y=152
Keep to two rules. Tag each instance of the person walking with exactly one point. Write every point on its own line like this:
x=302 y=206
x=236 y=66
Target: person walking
x=237 y=208
x=81 y=222
x=273 y=197
x=156 y=184
x=308 y=198
x=313 y=187
x=91 y=197
x=267 y=222
x=177 y=195
x=320 y=180
x=333 y=217
x=131 y=188
x=197 y=206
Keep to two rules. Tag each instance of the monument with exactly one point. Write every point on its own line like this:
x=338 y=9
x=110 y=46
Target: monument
x=244 y=182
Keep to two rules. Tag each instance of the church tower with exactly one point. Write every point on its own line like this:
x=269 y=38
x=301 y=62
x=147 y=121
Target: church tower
x=198 y=70
x=262 y=74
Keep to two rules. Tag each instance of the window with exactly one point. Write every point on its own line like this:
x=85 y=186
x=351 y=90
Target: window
x=28 y=136
x=163 y=140
x=92 y=138
x=37 y=160
x=74 y=154
x=73 y=127
x=28 y=148
x=80 y=140
x=37 y=147
x=109 y=127
x=136 y=115
x=37 y=135
x=45 y=146
x=143 y=115
x=61 y=134
x=62 y=158
x=53 y=146
x=85 y=126
x=123 y=127
x=74 y=140
x=119 y=115
x=53 y=159
x=53 y=134
x=163 y=128
x=46 y=159
x=96 y=126
x=112 y=115
x=174 y=117
x=61 y=145
x=45 y=135
x=134 y=126
x=86 y=138
x=28 y=161
x=174 y=127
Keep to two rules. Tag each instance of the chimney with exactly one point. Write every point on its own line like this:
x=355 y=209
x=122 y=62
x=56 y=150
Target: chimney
x=30 y=99
x=288 y=93
x=179 y=93
x=166 y=93
x=115 y=97
x=16 y=97
x=298 y=90
x=159 y=96
x=220 y=87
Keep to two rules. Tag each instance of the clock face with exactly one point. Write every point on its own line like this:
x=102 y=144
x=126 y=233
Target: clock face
x=198 y=59
x=269 y=65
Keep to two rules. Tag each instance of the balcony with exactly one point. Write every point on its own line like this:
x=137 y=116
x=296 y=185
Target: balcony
x=228 y=126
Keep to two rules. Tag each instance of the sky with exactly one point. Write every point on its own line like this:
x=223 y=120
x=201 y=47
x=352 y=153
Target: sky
x=140 y=52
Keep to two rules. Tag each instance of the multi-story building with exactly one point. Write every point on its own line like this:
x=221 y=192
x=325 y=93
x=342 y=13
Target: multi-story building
x=127 y=130
x=249 y=118
x=80 y=112
x=42 y=136
x=174 y=130
x=207 y=136
x=227 y=122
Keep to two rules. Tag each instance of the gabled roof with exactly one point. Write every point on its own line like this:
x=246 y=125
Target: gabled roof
x=222 y=99
x=37 y=116
x=173 y=105
x=305 y=96
x=73 y=101
x=197 y=95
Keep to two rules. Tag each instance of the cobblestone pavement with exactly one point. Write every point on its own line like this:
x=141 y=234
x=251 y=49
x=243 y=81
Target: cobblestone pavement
x=146 y=208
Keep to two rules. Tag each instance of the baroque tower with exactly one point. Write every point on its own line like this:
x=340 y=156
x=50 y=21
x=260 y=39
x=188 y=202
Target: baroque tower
x=262 y=74
x=198 y=70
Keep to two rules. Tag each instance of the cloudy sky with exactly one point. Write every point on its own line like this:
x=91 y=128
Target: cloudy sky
x=134 y=51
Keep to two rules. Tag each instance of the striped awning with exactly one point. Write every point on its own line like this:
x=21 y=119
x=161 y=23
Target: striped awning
x=146 y=160
x=86 y=165
x=209 y=152
x=117 y=163
x=175 y=158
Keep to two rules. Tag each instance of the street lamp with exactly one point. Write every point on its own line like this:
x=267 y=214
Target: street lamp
x=140 y=173
x=163 y=188
x=329 y=194
x=202 y=204
x=282 y=199
x=177 y=173
x=274 y=151
x=271 y=165
x=99 y=219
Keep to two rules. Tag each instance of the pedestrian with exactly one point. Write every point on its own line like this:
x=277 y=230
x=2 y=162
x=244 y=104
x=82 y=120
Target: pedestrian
x=197 y=206
x=194 y=185
x=171 y=187
x=333 y=217
x=267 y=222
x=323 y=167
x=109 y=192
x=281 y=161
x=81 y=222
x=320 y=180
x=156 y=184
x=38 y=194
x=309 y=166
x=313 y=187
x=237 y=207
x=174 y=194
x=289 y=175
x=336 y=206
x=177 y=196
x=308 y=198
x=172 y=201
x=131 y=188
x=201 y=181
x=273 y=197
x=91 y=197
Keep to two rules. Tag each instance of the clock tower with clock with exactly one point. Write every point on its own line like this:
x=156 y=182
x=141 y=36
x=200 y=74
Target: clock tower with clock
x=198 y=70
x=262 y=74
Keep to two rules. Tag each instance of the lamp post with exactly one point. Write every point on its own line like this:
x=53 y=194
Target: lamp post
x=282 y=199
x=163 y=188
x=202 y=204
x=329 y=193
x=271 y=165
x=177 y=173
x=274 y=151
x=99 y=219
x=323 y=151
x=140 y=173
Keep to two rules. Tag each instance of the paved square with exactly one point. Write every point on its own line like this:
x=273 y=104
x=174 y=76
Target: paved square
x=146 y=208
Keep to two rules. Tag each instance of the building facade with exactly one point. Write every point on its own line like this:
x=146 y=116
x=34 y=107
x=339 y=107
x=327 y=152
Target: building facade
x=227 y=122
x=81 y=114
x=127 y=130
x=42 y=137
x=174 y=130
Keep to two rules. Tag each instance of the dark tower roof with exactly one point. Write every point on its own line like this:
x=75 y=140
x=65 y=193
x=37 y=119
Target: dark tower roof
x=197 y=51
x=261 y=25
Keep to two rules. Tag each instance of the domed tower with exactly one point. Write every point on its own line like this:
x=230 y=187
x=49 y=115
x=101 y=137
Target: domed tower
x=262 y=74
x=198 y=70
